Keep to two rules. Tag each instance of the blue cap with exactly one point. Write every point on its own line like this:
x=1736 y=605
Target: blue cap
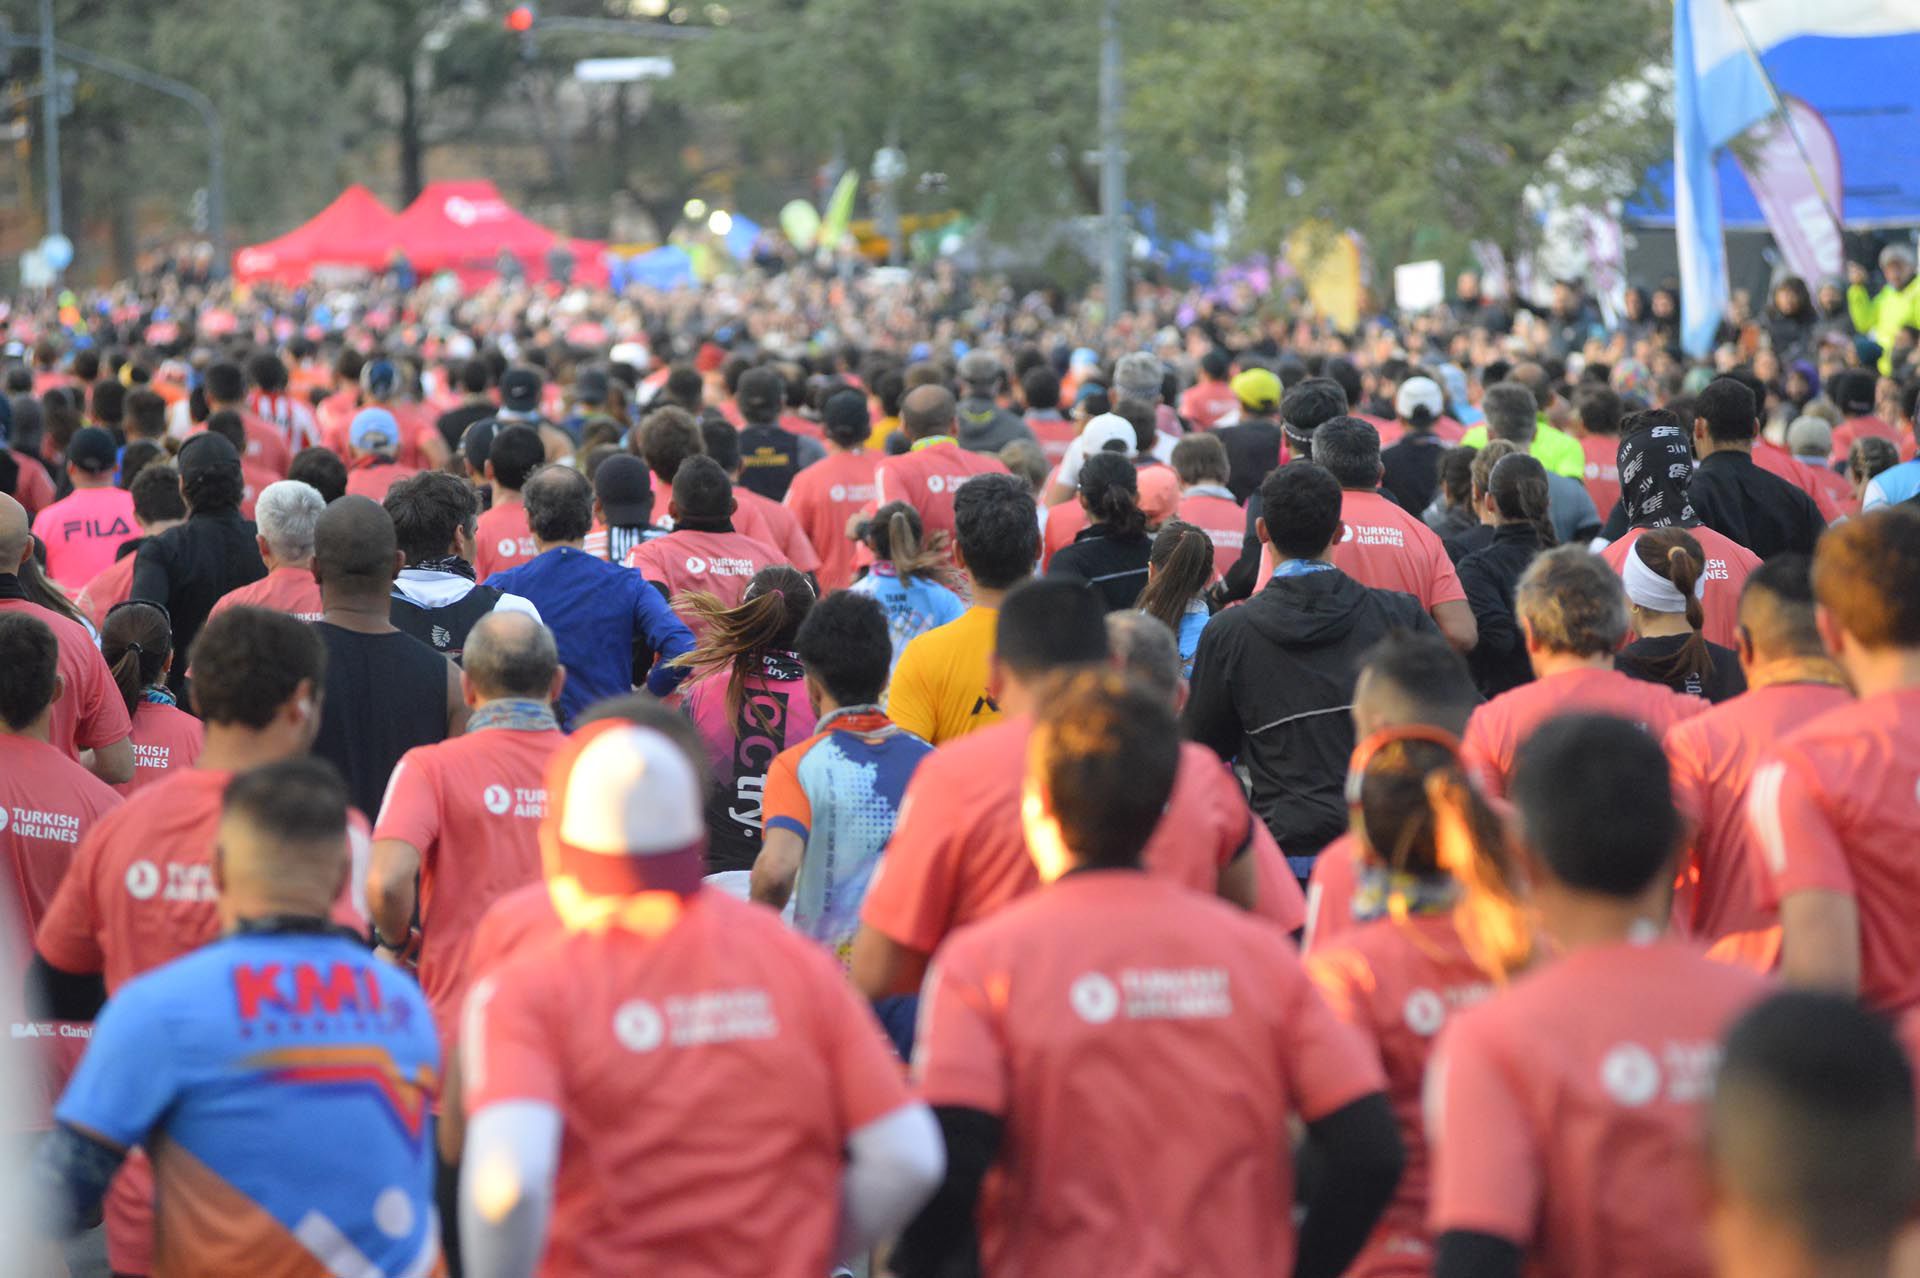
x=374 y=430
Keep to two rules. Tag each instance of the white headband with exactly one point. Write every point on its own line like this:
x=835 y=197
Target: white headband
x=1652 y=591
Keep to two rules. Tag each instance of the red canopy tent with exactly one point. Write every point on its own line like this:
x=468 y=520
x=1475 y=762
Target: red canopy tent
x=356 y=230
x=463 y=226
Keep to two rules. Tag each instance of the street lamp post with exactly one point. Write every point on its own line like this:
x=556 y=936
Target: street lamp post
x=50 y=121
x=1113 y=167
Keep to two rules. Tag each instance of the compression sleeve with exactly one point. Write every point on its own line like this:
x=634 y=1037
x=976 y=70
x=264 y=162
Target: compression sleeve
x=894 y=1164
x=941 y=1242
x=71 y=1171
x=1360 y=1159
x=55 y=994
x=1464 y=1254
x=506 y=1188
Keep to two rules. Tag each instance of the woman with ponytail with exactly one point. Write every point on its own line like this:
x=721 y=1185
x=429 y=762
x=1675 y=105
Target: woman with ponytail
x=1179 y=570
x=1663 y=575
x=1112 y=551
x=137 y=642
x=1510 y=491
x=1440 y=926
x=748 y=699
x=912 y=575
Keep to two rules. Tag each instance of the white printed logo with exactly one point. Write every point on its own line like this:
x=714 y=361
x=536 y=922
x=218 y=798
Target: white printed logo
x=498 y=799
x=1346 y=532
x=507 y=546
x=638 y=1026
x=1425 y=1013
x=837 y=493
x=143 y=880
x=4 y=818
x=1630 y=1075
x=936 y=484
x=696 y=564
x=1095 y=999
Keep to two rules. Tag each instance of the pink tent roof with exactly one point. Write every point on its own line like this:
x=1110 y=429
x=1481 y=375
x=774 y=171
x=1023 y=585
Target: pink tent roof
x=463 y=226
x=356 y=230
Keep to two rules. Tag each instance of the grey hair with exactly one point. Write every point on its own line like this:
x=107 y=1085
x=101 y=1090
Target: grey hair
x=1573 y=603
x=1512 y=412
x=1146 y=650
x=1896 y=253
x=1139 y=375
x=509 y=654
x=285 y=514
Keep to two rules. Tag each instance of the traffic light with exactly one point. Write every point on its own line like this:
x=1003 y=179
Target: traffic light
x=519 y=21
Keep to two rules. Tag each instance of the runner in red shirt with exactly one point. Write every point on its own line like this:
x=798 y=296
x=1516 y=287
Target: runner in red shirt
x=704 y=551
x=1564 y=1113
x=1600 y=411
x=791 y=1140
x=502 y=539
x=49 y=803
x=827 y=495
x=88 y=715
x=1200 y=462
x=285 y=517
x=1834 y=811
x=1127 y=1057
x=373 y=445
x=928 y=475
x=140 y=891
x=1574 y=613
x=1052 y=429
x=1810 y=1147
x=157 y=506
x=84 y=528
x=958 y=853
x=266 y=447
x=1211 y=398
x=1790 y=680
x=137 y=645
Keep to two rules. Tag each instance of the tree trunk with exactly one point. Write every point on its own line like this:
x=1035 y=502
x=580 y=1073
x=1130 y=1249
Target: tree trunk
x=412 y=148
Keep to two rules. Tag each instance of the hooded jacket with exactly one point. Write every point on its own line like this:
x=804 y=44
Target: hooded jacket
x=985 y=427
x=1273 y=684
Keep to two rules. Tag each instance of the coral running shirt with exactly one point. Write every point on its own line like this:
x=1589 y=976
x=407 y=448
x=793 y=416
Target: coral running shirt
x=1501 y=726
x=165 y=739
x=90 y=712
x=471 y=807
x=1147 y=1049
x=768 y=1056
x=1728 y=565
x=1837 y=809
x=767 y=520
x=111 y=585
x=1602 y=475
x=1564 y=1114
x=928 y=476
x=1384 y=547
x=1397 y=982
x=823 y=498
x=1330 y=889
x=289 y=590
x=1713 y=757
x=722 y=564
x=1214 y=512
x=502 y=540
x=82 y=530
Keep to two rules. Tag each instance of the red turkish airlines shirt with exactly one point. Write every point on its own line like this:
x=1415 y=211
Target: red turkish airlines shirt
x=1564 y=1114
x=373 y=480
x=1214 y=512
x=927 y=477
x=165 y=739
x=765 y=519
x=1330 y=889
x=1501 y=726
x=471 y=806
x=1836 y=808
x=89 y=712
x=1384 y=547
x=502 y=540
x=721 y=563
x=1728 y=565
x=113 y=584
x=823 y=498
x=1055 y=433
x=1713 y=757
x=1602 y=474
x=1205 y=403
x=289 y=590
x=769 y=1058
x=1829 y=491
x=1147 y=1049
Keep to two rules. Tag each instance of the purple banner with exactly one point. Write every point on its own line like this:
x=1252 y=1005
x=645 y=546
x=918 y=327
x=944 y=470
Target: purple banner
x=1795 y=174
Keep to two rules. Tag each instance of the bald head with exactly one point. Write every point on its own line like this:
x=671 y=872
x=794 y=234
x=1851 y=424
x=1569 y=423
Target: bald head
x=1777 y=612
x=509 y=654
x=927 y=411
x=354 y=547
x=1146 y=650
x=281 y=847
x=14 y=538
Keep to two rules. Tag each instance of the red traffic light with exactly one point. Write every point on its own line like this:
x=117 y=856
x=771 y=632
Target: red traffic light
x=520 y=18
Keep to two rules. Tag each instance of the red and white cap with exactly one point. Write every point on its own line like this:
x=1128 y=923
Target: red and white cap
x=624 y=813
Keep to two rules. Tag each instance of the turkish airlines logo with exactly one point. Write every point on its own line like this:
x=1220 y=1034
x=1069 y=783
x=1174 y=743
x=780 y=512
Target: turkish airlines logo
x=1095 y=999
x=695 y=564
x=1630 y=1075
x=936 y=483
x=638 y=1026
x=143 y=880
x=507 y=546
x=464 y=212
x=1425 y=1012
x=497 y=799
x=4 y=819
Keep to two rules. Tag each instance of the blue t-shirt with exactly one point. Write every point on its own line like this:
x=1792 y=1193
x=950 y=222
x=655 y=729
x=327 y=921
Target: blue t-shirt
x=597 y=611
x=283 y=1085
x=914 y=606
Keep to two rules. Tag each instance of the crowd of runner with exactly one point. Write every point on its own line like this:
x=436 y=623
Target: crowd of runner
x=880 y=774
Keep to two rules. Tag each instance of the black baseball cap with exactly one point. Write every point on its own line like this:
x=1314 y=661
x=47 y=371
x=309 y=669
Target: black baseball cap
x=624 y=488
x=520 y=389
x=205 y=453
x=92 y=450
x=591 y=387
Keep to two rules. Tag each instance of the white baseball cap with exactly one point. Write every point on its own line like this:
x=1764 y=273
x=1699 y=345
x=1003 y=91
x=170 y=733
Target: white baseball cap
x=1109 y=432
x=624 y=813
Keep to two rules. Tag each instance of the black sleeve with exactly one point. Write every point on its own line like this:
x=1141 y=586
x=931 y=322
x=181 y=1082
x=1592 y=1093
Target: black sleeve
x=1360 y=1158
x=1210 y=717
x=56 y=995
x=1462 y=1254
x=942 y=1241
x=1616 y=526
x=1239 y=581
x=151 y=579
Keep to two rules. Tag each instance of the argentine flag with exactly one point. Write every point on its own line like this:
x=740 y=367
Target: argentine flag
x=1719 y=91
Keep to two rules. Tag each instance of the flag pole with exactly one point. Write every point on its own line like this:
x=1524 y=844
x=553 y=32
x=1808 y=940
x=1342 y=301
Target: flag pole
x=1786 y=118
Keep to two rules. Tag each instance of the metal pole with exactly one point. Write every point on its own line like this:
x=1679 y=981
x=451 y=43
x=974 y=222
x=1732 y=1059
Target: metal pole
x=50 y=120
x=1113 y=167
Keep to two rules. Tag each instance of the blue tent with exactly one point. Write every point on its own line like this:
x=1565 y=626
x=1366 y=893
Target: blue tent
x=667 y=267
x=1868 y=93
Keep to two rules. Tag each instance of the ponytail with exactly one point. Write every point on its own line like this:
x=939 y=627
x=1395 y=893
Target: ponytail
x=136 y=642
x=1674 y=553
x=1182 y=559
x=1110 y=490
x=777 y=601
x=894 y=535
x=1518 y=485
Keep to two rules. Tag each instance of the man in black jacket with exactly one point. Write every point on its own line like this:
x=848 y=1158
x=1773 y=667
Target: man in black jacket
x=1273 y=680
x=770 y=453
x=1730 y=493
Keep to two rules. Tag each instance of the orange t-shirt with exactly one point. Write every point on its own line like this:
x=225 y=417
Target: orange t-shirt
x=824 y=497
x=165 y=739
x=471 y=807
x=502 y=540
x=1499 y=727
x=765 y=519
x=1564 y=1114
x=89 y=712
x=1836 y=807
x=1147 y=1048
x=1713 y=757
x=769 y=1058
x=1397 y=983
x=927 y=477
x=289 y=590
x=958 y=852
x=1728 y=565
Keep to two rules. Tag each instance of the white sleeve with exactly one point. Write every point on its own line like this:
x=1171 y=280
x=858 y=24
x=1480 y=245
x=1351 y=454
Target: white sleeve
x=1069 y=472
x=506 y=1188
x=894 y=1164
x=1874 y=497
x=515 y=603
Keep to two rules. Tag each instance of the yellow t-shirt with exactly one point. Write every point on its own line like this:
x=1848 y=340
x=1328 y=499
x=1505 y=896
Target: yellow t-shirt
x=882 y=428
x=939 y=688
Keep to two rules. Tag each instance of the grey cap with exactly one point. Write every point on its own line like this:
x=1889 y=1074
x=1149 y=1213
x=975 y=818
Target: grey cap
x=1809 y=434
x=1138 y=376
x=979 y=368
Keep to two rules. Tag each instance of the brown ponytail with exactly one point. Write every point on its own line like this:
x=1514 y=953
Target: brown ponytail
x=1110 y=490
x=768 y=617
x=1675 y=553
x=1182 y=556
x=894 y=535
x=137 y=643
x=1518 y=486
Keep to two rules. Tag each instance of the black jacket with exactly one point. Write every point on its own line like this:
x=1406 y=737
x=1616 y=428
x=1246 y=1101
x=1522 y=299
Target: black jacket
x=1490 y=576
x=771 y=455
x=1115 y=566
x=1273 y=683
x=1413 y=469
x=1761 y=511
x=1253 y=449
x=187 y=569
